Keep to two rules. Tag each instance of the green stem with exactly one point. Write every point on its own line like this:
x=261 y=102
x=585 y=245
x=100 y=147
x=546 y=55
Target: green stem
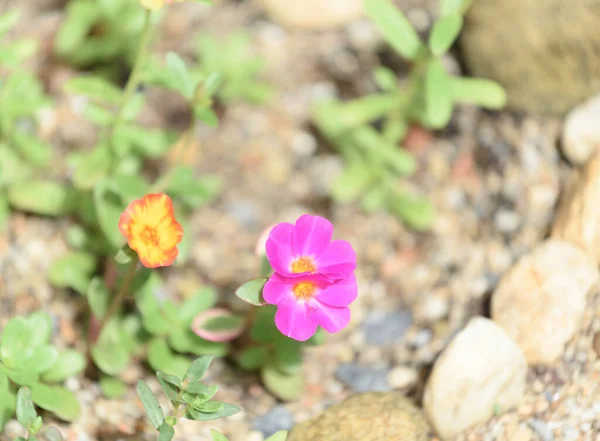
x=134 y=78
x=118 y=299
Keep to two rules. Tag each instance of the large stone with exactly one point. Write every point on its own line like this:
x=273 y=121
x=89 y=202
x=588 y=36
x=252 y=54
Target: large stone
x=481 y=371
x=578 y=215
x=546 y=53
x=374 y=416
x=581 y=133
x=314 y=14
x=541 y=299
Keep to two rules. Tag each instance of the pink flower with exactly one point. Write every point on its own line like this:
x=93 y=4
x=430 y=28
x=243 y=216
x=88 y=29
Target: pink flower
x=306 y=248
x=313 y=283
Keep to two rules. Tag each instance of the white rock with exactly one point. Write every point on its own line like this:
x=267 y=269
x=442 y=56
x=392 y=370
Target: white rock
x=314 y=14
x=401 y=377
x=541 y=299
x=581 y=133
x=578 y=215
x=481 y=370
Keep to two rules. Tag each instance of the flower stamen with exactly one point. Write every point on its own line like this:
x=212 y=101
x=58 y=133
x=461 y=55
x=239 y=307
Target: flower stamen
x=304 y=265
x=304 y=291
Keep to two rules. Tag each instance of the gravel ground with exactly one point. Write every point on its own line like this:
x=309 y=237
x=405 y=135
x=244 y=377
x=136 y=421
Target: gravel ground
x=494 y=178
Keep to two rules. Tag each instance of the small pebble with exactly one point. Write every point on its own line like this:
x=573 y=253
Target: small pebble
x=542 y=429
x=401 y=377
x=363 y=378
x=383 y=328
x=278 y=418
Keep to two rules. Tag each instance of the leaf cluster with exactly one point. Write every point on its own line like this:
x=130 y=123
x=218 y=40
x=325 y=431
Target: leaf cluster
x=278 y=358
x=29 y=419
x=189 y=397
x=21 y=99
x=367 y=130
x=237 y=65
x=101 y=32
x=157 y=332
x=27 y=358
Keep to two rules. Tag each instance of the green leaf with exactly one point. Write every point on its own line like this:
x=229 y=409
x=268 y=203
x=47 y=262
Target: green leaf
x=36 y=425
x=52 y=434
x=92 y=167
x=98 y=297
x=182 y=184
x=170 y=384
x=109 y=207
x=41 y=359
x=112 y=387
x=14 y=341
x=278 y=436
x=363 y=110
x=485 y=93
x=395 y=27
x=94 y=87
x=124 y=255
x=225 y=411
x=33 y=149
x=197 y=369
x=217 y=436
x=165 y=432
x=68 y=364
x=203 y=299
x=444 y=33
x=287 y=387
x=73 y=270
x=161 y=358
x=438 y=96
x=288 y=356
x=253 y=358
x=417 y=212
x=206 y=115
x=153 y=409
x=251 y=291
x=109 y=352
x=9 y=20
x=4 y=209
x=399 y=160
x=218 y=325
x=25 y=411
x=352 y=182
x=40 y=324
x=7 y=400
x=180 y=74
x=22 y=378
x=46 y=198
x=448 y=7
x=185 y=341
x=385 y=79
x=263 y=329
x=208 y=406
x=56 y=399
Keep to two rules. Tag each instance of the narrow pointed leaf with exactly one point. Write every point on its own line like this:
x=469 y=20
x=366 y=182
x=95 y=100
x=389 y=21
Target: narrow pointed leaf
x=153 y=409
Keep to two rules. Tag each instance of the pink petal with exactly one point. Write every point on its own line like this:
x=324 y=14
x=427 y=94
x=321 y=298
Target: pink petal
x=330 y=318
x=293 y=320
x=340 y=293
x=338 y=260
x=278 y=289
x=311 y=235
x=279 y=247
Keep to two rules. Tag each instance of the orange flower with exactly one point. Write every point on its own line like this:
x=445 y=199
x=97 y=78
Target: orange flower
x=151 y=230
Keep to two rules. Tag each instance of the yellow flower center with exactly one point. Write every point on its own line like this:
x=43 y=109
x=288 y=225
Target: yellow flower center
x=149 y=235
x=304 y=265
x=304 y=291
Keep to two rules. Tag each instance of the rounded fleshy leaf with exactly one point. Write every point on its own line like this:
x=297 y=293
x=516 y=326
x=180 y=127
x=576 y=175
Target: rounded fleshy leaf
x=218 y=325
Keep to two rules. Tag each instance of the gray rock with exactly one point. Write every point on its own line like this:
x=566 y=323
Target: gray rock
x=364 y=378
x=278 y=418
x=542 y=429
x=384 y=328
